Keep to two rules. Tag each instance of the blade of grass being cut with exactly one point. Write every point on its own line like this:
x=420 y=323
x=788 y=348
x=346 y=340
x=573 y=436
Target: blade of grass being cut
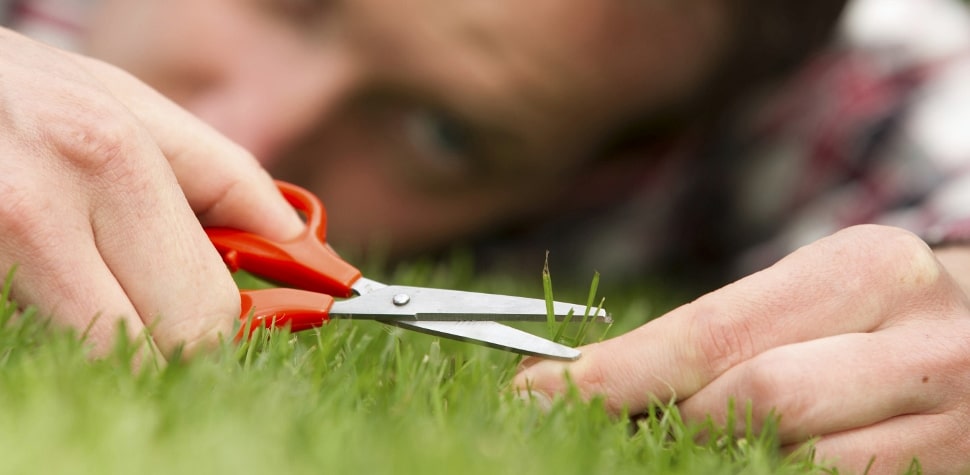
x=558 y=331
x=584 y=325
x=547 y=292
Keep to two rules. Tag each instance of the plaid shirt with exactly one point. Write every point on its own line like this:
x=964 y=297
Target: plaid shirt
x=875 y=130
x=56 y=22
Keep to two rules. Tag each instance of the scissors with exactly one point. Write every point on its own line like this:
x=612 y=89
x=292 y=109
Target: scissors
x=317 y=277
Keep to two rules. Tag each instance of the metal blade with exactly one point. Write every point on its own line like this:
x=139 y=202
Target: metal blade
x=494 y=335
x=397 y=302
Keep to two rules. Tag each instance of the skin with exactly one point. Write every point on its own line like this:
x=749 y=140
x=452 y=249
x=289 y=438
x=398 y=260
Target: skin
x=349 y=96
x=425 y=121
x=858 y=339
x=105 y=183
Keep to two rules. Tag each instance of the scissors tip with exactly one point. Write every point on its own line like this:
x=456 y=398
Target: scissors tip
x=578 y=312
x=494 y=335
x=568 y=354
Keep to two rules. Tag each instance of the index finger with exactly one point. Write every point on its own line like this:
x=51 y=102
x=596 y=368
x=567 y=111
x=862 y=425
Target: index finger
x=222 y=182
x=853 y=281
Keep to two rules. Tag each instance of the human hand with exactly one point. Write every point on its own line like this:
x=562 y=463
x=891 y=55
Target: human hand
x=860 y=339
x=103 y=186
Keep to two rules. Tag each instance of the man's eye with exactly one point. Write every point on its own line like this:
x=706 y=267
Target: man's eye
x=444 y=141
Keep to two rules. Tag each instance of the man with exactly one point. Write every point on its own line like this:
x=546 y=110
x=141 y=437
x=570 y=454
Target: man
x=436 y=121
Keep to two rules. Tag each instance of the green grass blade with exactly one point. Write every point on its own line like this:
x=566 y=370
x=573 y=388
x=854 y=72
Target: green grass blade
x=547 y=293
x=348 y=397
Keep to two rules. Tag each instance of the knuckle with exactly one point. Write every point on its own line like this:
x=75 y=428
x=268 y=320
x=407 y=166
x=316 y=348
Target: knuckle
x=258 y=176
x=766 y=383
x=220 y=195
x=21 y=210
x=201 y=339
x=723 y=341
x=201 y=328
x=591 y=379
x=595 y=383
x=98 y=140
x=888 y=256
x=15 y=206
x=602 y=374
x=912 y=260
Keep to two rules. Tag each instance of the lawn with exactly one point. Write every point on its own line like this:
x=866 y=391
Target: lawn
x=351 y=397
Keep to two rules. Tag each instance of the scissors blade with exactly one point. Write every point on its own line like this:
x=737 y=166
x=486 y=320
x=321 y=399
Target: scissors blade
x=495 y=335
x=398 y=302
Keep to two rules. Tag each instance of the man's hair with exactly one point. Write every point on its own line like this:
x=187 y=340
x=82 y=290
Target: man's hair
x=766 y=41
x=772 y=37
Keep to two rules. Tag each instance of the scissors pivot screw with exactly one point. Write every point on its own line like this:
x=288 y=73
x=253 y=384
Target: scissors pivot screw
x=401 y=299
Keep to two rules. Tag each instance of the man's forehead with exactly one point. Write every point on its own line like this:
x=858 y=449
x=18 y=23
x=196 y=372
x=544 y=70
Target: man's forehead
x=552 y=47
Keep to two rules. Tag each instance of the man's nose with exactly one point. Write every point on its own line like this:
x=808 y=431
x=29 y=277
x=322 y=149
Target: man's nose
x=268 y=99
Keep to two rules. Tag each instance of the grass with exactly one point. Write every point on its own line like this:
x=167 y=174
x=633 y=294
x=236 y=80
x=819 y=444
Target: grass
x=352 y=397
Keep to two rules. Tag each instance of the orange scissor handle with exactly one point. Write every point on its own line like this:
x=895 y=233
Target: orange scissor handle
x=305 y=262
x=298 y=309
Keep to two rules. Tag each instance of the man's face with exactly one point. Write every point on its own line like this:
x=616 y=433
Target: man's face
x=417 y=121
